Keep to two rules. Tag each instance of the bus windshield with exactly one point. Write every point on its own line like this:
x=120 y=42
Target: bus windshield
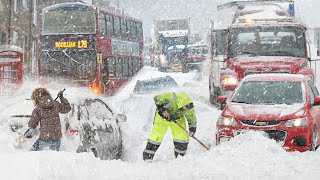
x=267 y=41
x=69 y=20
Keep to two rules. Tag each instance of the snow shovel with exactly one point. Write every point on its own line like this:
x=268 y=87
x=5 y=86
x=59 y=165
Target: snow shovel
x=58 y=96
x=21 y=137
x=202 y=144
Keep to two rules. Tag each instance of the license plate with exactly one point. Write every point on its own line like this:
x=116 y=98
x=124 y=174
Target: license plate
x=238 y=132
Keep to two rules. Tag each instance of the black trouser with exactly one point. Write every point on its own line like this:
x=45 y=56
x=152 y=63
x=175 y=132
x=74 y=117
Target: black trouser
x=150 y=151
x=179 y=149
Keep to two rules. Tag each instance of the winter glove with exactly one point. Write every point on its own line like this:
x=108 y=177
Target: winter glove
x=192 y=131
x=161 y=109
x=60 y=94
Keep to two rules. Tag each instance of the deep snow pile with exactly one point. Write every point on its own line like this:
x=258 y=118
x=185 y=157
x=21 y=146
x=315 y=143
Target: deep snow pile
x=247 y=156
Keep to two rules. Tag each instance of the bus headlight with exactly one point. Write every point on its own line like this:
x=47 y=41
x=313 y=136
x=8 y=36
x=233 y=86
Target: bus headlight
x=227 y=121
x=300 y=122
x=230 y=80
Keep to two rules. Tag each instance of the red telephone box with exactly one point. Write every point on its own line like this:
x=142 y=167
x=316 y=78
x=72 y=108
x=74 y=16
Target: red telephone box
x=11 y=69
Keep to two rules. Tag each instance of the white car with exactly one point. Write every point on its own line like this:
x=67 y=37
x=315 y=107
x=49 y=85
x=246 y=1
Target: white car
x=90 y=126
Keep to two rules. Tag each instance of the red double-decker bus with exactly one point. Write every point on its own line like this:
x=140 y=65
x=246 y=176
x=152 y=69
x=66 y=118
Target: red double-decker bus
x=90 y=46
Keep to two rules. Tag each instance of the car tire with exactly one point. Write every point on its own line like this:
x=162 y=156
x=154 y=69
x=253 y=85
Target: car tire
x=314 y=137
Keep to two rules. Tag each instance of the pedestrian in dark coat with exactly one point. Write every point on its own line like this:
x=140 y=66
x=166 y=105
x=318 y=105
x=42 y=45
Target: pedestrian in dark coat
x=46 y=114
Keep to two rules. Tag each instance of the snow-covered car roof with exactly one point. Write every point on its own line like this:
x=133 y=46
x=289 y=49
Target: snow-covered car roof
x=276 y=77
x=155 y=85
x=266 y=23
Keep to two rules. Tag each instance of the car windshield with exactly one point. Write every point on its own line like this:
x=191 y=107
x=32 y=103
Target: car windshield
x=197 y=51
x=267 y=41
x=155 y=85
x=269 y=92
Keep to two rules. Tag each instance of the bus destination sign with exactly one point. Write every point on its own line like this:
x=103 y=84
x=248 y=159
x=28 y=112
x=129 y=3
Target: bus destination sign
x=82 y=44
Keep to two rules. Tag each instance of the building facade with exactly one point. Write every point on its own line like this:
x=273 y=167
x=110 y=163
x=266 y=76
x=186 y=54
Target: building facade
x=21 y=26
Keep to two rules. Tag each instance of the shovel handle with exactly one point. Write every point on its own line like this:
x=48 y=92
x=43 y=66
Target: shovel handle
x=58 y=96
x=201 y=143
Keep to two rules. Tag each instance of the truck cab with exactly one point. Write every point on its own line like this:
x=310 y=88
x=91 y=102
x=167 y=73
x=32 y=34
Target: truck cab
x=263 y=38
x=171 y=41
x=173 y=50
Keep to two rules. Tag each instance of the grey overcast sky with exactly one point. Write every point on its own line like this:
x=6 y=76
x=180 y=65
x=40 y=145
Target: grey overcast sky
x=200 y=11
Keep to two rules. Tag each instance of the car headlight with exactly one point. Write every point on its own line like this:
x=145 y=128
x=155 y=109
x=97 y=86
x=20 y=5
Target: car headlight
x=230 y=80
x=227 y=121
x=300 y=122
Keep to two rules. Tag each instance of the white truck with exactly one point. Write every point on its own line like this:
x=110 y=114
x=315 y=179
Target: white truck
x=171 y=40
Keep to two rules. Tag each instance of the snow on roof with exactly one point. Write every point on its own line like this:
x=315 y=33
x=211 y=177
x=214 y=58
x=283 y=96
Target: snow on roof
x=262 y=13
x=174 y=33
x=276 y=77
x=11 y=47
x=65 y=4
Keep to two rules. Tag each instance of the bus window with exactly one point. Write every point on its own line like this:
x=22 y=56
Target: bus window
x=125 y=63
x=111 y=64
x=117 y=26
x=130 y=26
x=131 y=71
x=123 y=27
x=140 y=32
x=118 y=69
x=134 y=31
x=128 y=33
x=102 y=24
x=110 y=30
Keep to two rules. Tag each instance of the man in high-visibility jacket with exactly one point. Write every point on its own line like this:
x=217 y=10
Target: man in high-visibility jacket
x=172 y=108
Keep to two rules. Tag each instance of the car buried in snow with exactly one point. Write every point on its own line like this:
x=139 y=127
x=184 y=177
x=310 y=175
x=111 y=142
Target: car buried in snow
x=284 y=107
x=90 y=126
x=143 y=93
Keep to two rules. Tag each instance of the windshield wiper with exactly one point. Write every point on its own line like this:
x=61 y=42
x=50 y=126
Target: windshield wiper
x=247 y=53
x=243 y=102
x=278 y=53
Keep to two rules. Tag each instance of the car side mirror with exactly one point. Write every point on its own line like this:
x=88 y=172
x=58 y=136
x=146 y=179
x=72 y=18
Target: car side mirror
x=121 y=118
x=222 y=102
x=222 y=99
x=317 y=101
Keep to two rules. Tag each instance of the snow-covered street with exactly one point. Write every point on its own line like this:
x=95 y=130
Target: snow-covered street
x=247 y=156
x=113 y=89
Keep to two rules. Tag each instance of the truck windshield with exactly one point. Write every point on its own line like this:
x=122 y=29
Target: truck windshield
x=170 y=41
x=69 y=20
x=267 y=41
x=269 y=92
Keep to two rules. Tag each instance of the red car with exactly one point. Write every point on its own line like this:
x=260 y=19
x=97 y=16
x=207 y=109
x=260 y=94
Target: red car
x=284 y=106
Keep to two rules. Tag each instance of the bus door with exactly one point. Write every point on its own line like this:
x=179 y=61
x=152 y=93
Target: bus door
x=11 y=70
x=218 y=53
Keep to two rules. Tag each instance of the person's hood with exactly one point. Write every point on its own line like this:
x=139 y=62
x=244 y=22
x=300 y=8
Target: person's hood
x=46 y=102
x=183 y=99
